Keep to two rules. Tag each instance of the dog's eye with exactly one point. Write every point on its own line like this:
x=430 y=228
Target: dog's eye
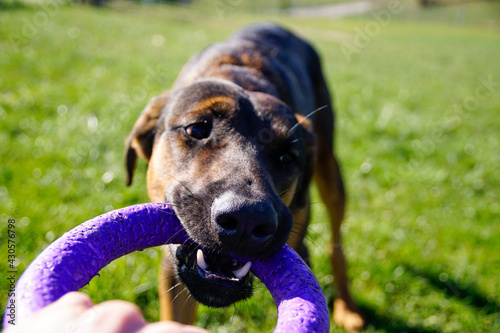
x=199 y=130
x=288 y=158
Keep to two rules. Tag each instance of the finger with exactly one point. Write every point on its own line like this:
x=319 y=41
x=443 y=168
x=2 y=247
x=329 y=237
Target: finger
x=112 y=316
x=62 y=315
x=74 y=298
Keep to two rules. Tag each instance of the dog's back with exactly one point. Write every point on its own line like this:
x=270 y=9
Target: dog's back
x=262 y=57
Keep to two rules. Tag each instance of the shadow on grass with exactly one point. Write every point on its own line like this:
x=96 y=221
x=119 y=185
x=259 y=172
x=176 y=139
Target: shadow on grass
x=383 y=322
x=389 y=324
x=468 y=294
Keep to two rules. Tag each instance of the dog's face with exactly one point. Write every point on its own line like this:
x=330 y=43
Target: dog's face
x=230 y=163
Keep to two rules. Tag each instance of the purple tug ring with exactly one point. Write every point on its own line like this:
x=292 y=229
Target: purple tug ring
x=74 y=259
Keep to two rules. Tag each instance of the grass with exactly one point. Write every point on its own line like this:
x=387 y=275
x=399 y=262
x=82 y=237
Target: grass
x=417 y=134
x=262 y=5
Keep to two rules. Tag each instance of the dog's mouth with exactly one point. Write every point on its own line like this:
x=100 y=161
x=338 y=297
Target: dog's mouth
x=214 y=279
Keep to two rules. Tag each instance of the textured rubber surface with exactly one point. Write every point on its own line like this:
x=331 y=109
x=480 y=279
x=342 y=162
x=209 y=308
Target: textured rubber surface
x=75 y=258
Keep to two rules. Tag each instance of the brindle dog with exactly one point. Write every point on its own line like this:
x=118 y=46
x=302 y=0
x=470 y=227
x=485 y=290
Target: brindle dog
x=232 y=147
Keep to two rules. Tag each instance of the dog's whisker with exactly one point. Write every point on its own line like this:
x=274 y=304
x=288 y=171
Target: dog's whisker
x=303 y=235
x=310 y=114
x=176 y=296
x=188 y=241
x=171 y=176
x=193 y=251
x=168 y=241
x=307 y=205
x=283 y=192
x=173 y=205
x=309 y=230
x=168 y=278
x=310 y=241
x=187 y=299
x=172 y=278
x=173 y=236
x=173 y=287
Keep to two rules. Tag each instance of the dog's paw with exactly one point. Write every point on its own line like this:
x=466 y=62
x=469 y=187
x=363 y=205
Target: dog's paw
x=346 y=316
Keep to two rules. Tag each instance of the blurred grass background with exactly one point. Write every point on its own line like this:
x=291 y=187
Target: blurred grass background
x=418 y=109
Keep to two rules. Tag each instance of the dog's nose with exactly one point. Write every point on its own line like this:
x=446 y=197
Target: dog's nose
x=242 y=224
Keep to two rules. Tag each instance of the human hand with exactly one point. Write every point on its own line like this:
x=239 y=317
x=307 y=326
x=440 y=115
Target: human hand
x=76 y=313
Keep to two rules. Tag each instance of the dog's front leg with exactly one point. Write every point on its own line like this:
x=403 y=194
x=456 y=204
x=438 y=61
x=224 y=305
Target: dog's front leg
x=175 y=302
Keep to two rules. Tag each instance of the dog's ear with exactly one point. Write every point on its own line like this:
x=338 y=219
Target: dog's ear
x=140 y=139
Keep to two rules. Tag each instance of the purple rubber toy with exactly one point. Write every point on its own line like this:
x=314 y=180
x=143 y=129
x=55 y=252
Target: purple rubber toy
x=74 y=259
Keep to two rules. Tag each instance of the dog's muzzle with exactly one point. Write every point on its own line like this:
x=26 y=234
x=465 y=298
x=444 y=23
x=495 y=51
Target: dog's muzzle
x=214 y=279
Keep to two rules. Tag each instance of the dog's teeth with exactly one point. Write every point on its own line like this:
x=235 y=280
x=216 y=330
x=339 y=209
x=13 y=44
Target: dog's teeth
x=239 y=273
x=200 y=260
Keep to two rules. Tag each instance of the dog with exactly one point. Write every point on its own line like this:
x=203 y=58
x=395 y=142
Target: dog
x=234 y=146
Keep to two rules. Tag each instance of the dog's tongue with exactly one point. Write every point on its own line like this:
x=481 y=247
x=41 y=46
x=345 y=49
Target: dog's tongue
x=73 y=260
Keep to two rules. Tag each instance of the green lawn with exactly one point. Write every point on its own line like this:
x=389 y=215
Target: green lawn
x=418 y=134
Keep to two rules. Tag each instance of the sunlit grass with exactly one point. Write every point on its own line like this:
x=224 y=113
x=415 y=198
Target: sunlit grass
x=417 y=133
